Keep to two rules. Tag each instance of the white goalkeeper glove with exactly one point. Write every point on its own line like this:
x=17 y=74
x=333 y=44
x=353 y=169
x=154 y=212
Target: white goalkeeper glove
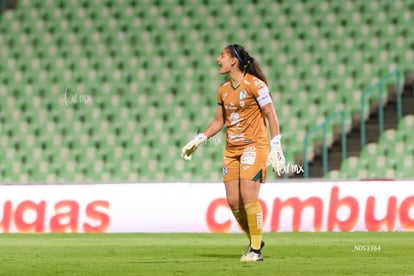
x=193 y=145
x=276 y=159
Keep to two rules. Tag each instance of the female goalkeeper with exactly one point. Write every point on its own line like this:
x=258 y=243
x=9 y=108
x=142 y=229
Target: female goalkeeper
x=244 y=104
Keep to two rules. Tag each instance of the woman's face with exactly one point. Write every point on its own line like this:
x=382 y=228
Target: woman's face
x=225 y=61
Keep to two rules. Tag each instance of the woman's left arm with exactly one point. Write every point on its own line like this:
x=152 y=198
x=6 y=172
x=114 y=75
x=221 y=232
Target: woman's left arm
x=270 y=114
x=276 y=158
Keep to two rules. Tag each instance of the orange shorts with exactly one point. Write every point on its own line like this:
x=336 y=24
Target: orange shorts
x=245 y=163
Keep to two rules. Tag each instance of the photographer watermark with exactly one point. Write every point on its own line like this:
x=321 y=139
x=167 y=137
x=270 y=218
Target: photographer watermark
x=366 y=248
x=290 y=169
x=214 y=140
x=76 y=98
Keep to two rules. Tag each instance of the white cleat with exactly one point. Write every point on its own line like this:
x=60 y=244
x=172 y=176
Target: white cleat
x=251 y=257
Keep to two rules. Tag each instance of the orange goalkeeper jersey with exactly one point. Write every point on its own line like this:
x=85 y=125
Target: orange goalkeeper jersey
x=245 y=122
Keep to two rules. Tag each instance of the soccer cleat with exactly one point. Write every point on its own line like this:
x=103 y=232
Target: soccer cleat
x=251 y=257
x=248 y=248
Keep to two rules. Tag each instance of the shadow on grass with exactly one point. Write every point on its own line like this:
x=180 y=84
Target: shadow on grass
x=218 y=255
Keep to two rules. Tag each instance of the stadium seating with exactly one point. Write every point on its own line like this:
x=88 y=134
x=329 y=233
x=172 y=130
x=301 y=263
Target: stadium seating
x=148 y=69
x=391 y=157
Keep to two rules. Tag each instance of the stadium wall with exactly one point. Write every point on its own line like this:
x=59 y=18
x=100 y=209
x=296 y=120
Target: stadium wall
x=201 y=207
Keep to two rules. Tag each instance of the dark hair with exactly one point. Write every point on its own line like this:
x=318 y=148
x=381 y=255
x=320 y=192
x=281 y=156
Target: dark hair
x=247 y=64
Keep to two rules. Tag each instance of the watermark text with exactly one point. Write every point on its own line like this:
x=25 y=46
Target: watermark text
x=366 y=248
x=76 y=98
x=290 y=169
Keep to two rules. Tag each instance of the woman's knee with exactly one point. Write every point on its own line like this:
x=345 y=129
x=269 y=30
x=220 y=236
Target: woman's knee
x=233 y=194
x=249 y=190
x=233 y=202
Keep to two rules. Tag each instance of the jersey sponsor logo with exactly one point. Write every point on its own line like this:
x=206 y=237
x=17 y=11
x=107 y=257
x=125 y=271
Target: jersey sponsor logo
x=231 y=106
x=235 y=119
x=248 y=158
x=258 y=82
x=236 y=137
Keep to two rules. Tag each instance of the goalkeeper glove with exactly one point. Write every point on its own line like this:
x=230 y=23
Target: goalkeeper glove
x=193 y=145
x=276 y=159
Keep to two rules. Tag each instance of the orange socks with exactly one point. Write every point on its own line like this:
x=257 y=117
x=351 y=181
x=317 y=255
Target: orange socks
x=255 y=222
x=241 y=218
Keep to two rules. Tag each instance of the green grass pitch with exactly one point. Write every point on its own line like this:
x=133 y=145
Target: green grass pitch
x=206 y=254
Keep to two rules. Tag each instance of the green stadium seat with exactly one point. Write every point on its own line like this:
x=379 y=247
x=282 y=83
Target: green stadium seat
x=351 y=167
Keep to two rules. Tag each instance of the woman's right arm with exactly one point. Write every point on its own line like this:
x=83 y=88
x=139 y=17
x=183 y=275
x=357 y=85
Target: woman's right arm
x=216 y=124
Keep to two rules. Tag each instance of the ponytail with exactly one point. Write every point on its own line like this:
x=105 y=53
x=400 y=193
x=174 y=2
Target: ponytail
x=247 y=64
